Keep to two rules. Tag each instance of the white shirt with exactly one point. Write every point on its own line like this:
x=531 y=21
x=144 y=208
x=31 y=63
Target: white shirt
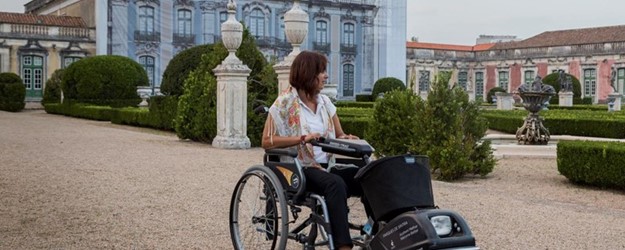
x=316 y=123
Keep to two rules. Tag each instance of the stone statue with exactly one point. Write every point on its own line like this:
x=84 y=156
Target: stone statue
x=566 y=83
x=613 y=78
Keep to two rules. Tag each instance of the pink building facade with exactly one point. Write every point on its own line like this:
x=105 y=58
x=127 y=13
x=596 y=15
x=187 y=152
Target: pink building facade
x=591 y=55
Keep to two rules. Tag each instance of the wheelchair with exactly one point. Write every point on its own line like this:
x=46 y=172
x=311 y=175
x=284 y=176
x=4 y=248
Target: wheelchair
x=268 y=200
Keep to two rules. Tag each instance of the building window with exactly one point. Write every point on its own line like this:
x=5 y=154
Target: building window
x=620 y=79
x=148 y=64
x=282 y=34
x=424 y=80
x=223 y=16
x=529 y=76
x=348 y=34
x=462 y=80
x=321 y=32
x=146 y=20
x=257 y=23
x=32 y=75
x=590 y=80
x=184 y=23
x=67 y=60
x=348 y=80
x=503 y=80
x=479 y=85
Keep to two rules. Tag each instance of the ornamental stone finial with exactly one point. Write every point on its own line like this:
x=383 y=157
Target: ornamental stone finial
x=296 y=27
x=232 y=34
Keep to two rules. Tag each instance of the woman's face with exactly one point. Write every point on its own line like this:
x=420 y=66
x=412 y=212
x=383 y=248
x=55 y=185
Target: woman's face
x=321 y=80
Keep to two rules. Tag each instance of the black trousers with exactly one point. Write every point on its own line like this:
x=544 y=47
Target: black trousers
x=336 y=187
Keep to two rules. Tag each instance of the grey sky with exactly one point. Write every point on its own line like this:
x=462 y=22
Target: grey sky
x=462 y=21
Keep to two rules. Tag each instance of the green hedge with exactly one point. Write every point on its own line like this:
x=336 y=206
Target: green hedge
x=563 y=122
x=364 y=98
x=163 y=109
x=349 y=104
x=355 y=125
x=87 y=111
x=593 y=163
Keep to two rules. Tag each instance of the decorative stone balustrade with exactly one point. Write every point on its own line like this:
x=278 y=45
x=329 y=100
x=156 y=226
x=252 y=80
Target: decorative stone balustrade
x=46 y=32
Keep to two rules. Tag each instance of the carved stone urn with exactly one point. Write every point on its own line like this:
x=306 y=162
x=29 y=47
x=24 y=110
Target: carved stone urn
x=535 y=95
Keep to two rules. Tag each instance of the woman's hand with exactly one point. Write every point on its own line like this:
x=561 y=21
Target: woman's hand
x=311 y=136
x=348 y=136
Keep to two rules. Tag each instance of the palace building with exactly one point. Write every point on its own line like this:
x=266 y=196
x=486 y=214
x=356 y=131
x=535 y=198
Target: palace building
x=590 y=54
x=34 y=46
x=362 y=39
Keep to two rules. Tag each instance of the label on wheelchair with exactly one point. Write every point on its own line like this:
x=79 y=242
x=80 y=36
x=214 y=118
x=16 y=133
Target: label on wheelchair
x=292 y=179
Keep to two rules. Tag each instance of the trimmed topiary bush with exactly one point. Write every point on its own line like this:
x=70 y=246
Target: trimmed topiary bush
x=12 y=92
x=103 y=78
x=180 y=67
x=491 y=93
x=552 y=79
x=386 y=84
x=52 y=90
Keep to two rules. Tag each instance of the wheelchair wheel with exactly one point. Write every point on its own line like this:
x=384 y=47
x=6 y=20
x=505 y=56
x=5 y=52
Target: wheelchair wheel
x=258 y=211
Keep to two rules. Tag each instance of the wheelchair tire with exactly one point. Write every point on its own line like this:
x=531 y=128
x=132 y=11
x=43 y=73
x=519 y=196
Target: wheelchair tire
x=258 y=211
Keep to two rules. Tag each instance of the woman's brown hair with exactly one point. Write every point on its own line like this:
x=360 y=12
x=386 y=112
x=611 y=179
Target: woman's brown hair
x=304 y=70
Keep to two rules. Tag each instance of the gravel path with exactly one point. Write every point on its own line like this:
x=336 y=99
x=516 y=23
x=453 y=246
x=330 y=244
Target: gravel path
x=69 y=183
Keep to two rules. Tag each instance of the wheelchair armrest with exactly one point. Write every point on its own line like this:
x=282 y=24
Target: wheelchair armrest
x=282 y=152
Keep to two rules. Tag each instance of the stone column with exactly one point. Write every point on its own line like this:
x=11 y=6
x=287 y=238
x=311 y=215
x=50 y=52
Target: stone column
x=232 y=89
x=296 y=29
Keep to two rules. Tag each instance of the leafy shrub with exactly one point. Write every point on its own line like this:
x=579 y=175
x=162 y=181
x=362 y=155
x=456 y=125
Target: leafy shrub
x=180 y=67
x=491 y=93
x=350 y=104
x=451 y=133
x=447 y=128
x=12 y=92
x=81 y=110
x=593 y=163
x=394 y=122
x=103 y=78
x=52 y=91
x=386 y=84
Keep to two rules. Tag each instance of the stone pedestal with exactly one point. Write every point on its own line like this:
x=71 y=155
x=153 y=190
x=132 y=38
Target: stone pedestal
x=232 y=106
x=504 y=101
x=330 y=90
x=231 y=88
x=565 y=99
x=283 y=69
x=614 y=102
x=471 y=95
x=423 y=95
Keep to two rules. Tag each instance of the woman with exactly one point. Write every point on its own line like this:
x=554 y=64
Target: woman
x=299 y=115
